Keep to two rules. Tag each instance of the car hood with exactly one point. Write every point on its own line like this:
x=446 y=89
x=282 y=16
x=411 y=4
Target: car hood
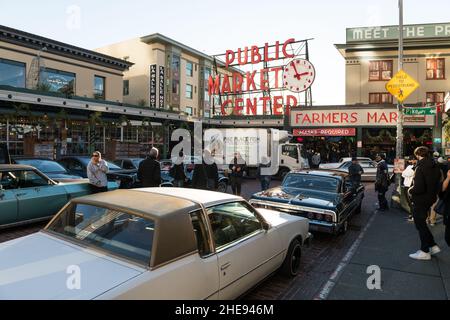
x=296 y=196
x=42 y=267
x=277 y=219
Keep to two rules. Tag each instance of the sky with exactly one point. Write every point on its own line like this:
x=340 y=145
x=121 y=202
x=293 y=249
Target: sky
x=213 y=27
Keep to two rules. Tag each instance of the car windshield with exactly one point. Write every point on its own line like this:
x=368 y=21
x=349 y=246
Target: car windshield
x=45 y=166
x=119 y=233
x=137 y=162
x=305 y=181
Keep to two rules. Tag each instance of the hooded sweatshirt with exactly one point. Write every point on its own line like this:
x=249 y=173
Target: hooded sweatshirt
x=426 y=183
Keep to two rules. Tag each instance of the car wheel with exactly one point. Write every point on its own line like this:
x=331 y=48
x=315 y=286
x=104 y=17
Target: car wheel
x=291 y=264
x=222 y=187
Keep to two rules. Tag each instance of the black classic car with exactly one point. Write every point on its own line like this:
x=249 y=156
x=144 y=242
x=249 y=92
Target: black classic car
x=325 y=197
x=77 y=165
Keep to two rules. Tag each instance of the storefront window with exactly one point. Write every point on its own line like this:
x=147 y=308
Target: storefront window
x=12 y=73
x=189 y=110
x=380 y=70
x=435 y=97
x=99 y=88
x=435 y=69
x=58 y=81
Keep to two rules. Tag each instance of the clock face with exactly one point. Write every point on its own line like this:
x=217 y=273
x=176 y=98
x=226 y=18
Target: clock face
x=298 y=75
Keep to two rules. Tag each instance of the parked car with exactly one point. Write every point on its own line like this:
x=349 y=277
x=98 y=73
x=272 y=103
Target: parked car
x=335 y=165
x=77 y=165
x=128 y=163
x=189 y=164
x=324 y=197
x=369 y=167
x=28 y=195
x=52 y=169
x=4 y=154
x=154 y=243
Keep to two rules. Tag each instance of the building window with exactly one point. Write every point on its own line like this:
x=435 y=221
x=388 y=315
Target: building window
x=189 y=93
x=57 y=81
x=126 y=87
x=99 y=88
x=435 y=69
x=207 y=114
x=380 y=70
x=189 y=110
x=380 y=98
x=435 y=97
x=12 y=73
x=189 y=69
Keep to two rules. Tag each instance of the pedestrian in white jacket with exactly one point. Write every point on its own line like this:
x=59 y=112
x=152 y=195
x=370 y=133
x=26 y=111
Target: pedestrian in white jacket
x=408 y=175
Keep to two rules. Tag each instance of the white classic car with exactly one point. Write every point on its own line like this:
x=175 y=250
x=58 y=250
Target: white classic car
x=154 y=243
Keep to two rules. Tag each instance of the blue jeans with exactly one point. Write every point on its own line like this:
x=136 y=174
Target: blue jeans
x=265 y=182
x=178 y=183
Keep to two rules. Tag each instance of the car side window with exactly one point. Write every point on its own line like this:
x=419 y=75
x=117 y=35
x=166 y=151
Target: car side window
x=231 y=222
x=200 y=232
x=7 y=181
x=28 y=179
x=128 y=165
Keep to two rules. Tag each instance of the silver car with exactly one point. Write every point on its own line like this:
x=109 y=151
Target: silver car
x=369 y=167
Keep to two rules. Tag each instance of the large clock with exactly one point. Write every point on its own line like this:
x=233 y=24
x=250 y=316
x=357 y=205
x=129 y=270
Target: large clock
x=298 y=75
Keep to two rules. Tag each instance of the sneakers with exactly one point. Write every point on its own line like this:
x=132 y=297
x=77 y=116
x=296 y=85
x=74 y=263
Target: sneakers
x=410 y=219
x=434 y=250
x=420 y=255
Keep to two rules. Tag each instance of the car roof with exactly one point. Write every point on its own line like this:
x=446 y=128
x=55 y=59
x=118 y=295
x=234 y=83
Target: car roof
x=174 y=236
x=323 y=173
x=206 y=198
x=32 y=158
x=5 y=167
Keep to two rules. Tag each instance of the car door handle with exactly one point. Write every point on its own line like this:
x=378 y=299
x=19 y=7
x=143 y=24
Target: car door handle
x=21 y=194
x=225 y=266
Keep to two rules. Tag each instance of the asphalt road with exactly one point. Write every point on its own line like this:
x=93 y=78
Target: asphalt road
x=318 y=261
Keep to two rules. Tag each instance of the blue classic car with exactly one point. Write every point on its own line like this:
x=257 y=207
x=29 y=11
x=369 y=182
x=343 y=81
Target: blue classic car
x=27 y=195
x=326 y=198
x=52 y=169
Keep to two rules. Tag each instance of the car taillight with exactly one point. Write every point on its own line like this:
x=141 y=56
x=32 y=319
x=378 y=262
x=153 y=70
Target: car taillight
x=319 y=216
x=329 y=218
x=311 y=215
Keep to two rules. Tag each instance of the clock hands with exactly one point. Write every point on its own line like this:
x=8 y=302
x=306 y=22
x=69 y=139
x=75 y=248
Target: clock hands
x=298 y=75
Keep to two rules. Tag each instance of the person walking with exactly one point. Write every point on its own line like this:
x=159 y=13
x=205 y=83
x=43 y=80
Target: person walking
x=264 y=177
x=444 y=195
x=408 y=175
x=355 y=171
x=149 y=172
x=382 y=181
x=237 y=168
x=424 y=191
x=96 y=173
x=212 y=171
x=177 y=172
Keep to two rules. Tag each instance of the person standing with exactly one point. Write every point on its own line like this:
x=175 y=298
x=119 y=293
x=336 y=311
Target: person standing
x=149 y=172
x=237 y=168
x=177 y=172
x=444 y=194
x=355 y=171
x=264 y=178
x=424 y=190
x=96 y=173
x=200 y=176
x=212 y=172
x=408 y=175
x=316 y=160
x=382 y=181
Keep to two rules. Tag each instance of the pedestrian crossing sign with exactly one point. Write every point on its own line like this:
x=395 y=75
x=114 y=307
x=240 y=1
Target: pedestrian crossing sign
x=402 y=85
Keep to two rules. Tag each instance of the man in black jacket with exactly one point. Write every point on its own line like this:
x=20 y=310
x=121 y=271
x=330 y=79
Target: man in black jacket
x=426 y=185
x=355 y=171
x=382 y=181
x=149 y=172
x=177 y=172
x=212 y=171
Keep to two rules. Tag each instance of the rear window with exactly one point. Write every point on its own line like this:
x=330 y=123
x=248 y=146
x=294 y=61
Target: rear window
x=119 y=233
x=45 y=166
x=312 y=182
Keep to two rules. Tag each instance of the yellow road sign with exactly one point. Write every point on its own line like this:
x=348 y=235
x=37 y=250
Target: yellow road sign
x=402 y=85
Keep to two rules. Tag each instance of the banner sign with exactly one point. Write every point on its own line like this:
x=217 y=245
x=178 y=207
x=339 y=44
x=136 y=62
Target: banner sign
x=331 y=132
x=153 y=86
x=161 y=86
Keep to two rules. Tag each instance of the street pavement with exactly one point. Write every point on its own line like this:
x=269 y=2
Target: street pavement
x=387 y=243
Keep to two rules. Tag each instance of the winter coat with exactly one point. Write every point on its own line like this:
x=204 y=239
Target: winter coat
x=382 y=180
x=177 y=172
x=149 y=173
x=236 y=165
x=355 y=171
x=200 y=177
x=426 y=183
x=212 y=172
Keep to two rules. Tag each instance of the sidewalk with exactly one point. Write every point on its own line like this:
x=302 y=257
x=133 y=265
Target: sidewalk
x=387 y=243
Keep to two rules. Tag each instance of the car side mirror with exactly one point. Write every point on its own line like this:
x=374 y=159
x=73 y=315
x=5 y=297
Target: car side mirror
x=265 y=225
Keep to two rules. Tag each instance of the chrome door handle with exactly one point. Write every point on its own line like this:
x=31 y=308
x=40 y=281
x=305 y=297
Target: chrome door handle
x=225 y=266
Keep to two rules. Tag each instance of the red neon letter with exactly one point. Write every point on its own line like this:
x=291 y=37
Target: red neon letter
x=278 y=105
x=226 y=84
x=237 y=107
x=213 y=85
x=256 y=56
x=264 y=100
x=240 y=56
x=226 y=102
x=264 y=80
x=229 y=57
x=289 y=41
x=251 y=80
x=252 y=107
x=276 y=70
x=237 y=82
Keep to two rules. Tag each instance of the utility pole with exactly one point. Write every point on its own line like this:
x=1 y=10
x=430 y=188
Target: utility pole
x=399 y=146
